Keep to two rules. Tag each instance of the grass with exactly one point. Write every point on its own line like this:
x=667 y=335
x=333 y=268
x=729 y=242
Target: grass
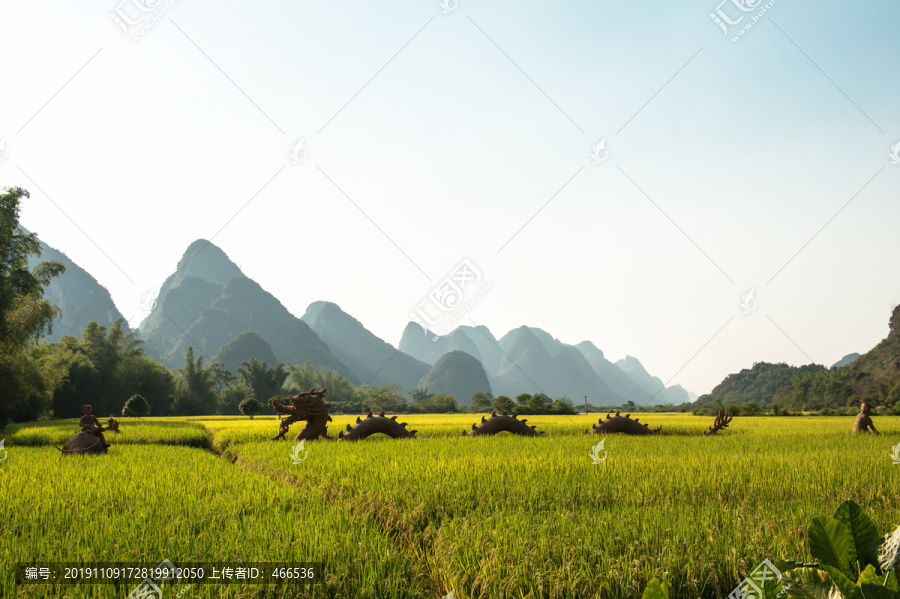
x=487 y=517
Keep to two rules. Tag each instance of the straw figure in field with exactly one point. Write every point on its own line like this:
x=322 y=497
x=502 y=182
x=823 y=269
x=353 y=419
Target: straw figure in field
x=90 y=439
x=863 y=422
x=309 y=406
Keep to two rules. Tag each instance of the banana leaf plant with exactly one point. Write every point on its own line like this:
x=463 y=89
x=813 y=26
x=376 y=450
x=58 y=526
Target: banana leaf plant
x=854 y=561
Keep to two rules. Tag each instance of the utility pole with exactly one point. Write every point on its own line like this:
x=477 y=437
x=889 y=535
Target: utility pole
x=585 y=404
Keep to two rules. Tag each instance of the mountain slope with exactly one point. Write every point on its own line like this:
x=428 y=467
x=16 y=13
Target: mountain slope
x=458 y=374
x=427 y=347
x=655 y=390
x=208 y=302
x=757 y=384
x=245 y=306
x=848 y=359
x=373 y=360
x=612 y=375
x=874 y=375
x=242 y=348
x=528 y=367
x=78 y=294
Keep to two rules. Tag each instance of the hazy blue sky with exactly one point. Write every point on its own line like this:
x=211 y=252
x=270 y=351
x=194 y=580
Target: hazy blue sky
x=434 y=137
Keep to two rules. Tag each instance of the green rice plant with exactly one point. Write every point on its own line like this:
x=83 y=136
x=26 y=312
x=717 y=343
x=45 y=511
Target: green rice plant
x=486 y=517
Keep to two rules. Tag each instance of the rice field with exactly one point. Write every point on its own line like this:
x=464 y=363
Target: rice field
x=488 y=517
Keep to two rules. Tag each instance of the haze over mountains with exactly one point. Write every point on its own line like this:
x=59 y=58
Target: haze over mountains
x=529 y=358
x=208 y=303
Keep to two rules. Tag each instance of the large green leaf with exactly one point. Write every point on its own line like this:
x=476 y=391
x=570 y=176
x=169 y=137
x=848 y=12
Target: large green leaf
x=784 y=565
x=656 y=590
x=847 y=587
x=865 y=536
x=869 y=575
x=891 y=581
x=875 y=591
x=809 y=583
x=830 y=542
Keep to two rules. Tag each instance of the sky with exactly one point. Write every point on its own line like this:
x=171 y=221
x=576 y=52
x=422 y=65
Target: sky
x=631 y=174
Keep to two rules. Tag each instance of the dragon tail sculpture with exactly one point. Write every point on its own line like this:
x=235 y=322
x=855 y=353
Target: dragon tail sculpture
x=309 y=406
x=500 y=423
x=722 y=421
x=376 y=424
x=621 y=424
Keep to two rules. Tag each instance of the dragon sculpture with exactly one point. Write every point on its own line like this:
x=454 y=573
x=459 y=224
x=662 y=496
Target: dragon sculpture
x=722 y=421
x=309 y=406
x=621 y=424
x=376 y=424
x=502 y=423
x=90 y=439
x=625 y=424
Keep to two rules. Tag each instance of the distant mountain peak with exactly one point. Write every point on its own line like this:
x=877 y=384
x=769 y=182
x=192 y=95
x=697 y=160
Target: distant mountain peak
x=206 y=260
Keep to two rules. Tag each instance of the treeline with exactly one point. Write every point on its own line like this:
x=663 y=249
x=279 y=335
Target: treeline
x=757 y=384
x=779 y=388
x=107 y=367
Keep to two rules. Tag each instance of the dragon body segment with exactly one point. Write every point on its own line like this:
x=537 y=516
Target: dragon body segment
x=502 y=423
x=621 y=424
x=371 y=425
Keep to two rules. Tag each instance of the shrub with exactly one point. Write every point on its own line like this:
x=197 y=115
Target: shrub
x=249 y=407
x=136 y=406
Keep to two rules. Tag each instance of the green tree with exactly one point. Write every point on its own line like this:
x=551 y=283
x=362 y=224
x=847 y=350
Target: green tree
x=136 y=407
x=249 y=407
x=481 y=402
x=340 y=390
x=419 y=395
x=503 y=404
x=442 y=403
x=195 y=391
x=230 y=398
x=563 y=406
x=24 y=315
x=385 y=398
x=262 y=380
x=750 y=409
x=108 y=365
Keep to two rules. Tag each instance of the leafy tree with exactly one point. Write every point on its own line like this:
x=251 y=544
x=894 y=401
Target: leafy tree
x=262 y=380
x=442 y=403
x=385 y=398
x=195 y=391
x=503 y=404
x=481 y=402
x=249 y=407
x=751 y=409
x=24 y=314
x=341 y=392
x=108 y=365
x=563 y=406
x=435 y=404
x=539 y=403
x=419 y=394
x=136 y=407
x=230 y=398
